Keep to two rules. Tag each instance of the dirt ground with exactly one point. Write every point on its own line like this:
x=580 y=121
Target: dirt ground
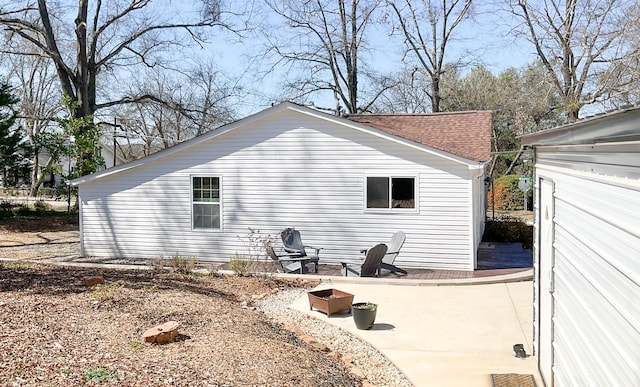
x=39 y=237
x=56 y=331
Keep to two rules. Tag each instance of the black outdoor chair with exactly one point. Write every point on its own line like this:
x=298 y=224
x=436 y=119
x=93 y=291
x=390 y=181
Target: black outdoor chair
x=369 y=267
x=293 y=245
x=286 y=263
x=397 y=240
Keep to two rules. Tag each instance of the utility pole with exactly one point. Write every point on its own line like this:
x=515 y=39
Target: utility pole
x=115 y=143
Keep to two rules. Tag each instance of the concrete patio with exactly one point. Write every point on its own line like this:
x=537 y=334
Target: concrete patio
x=444 y=335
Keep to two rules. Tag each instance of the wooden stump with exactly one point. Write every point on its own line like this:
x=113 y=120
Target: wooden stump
x=161 y=334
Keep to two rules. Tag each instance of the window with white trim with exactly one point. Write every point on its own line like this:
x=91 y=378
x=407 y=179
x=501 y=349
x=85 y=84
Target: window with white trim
x=205 y=197
x=388 y=192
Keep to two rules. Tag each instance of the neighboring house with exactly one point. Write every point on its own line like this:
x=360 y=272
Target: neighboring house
x=587 y=251
x=56 y=179
x=345 y=184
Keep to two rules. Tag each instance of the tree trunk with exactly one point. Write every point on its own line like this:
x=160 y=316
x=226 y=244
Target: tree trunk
x=515 y=160
x=35 y=176
x=37 y=182
x=435 y=95
x=572 y=114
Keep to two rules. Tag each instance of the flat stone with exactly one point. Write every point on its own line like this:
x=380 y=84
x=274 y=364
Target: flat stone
x=356 y=372
x=320 y=346
x=164 y=333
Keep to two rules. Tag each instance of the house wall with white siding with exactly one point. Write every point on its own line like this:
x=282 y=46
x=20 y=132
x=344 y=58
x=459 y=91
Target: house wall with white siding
x=587 y=283
x=286 y=169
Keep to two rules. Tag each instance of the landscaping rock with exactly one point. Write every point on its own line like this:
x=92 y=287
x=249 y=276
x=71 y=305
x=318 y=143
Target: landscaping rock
x=161 y=334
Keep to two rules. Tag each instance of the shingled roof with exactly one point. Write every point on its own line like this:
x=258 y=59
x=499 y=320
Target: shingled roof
x=465 y=134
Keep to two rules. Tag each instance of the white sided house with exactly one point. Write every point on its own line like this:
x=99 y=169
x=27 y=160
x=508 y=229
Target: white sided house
x=587 y=251
x=344 y=183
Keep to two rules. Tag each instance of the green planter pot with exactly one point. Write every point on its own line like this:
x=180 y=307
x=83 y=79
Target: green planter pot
x=364 y=314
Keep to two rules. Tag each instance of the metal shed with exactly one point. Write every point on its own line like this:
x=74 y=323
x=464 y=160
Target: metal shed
x=587 y=251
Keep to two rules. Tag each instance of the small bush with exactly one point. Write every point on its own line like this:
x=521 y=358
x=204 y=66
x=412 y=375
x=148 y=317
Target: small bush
x=242 y=266
x=106 y=292
x=6 y=206
x=157 y=264
x=508 y=230
x=41 y=206
x=22 y=210
x=506 y=196
x=182 y=265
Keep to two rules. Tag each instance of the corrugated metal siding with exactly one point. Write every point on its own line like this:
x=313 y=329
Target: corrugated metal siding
x=621 y=160
x=289 y=171
x=597 y=273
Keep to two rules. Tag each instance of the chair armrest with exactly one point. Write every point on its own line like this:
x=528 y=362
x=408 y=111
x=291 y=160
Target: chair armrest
x=317 y=249
x=351 y=262
x=292 y=251
x=291 y=258
x=288 y=255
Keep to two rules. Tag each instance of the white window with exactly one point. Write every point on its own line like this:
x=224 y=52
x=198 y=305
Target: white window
x=389 y=192
x=205 y=192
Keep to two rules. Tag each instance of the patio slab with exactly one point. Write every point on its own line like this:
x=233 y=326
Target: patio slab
x=445 y=335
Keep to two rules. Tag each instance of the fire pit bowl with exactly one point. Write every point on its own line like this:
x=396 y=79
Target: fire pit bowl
x=330 y=301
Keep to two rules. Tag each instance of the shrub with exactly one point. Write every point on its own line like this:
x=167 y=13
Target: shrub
x=41 y=206
x=506 y=196
x=22 y=210
x=6 y=208
x=256 y=257
x=182 y=265
x=157 y=264
x=106 y=292
x=242 y=266
x=508 y=230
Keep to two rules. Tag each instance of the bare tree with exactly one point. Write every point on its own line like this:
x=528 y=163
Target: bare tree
x=204 y=96
x=626 y=70
x=212 y=97
x=36 y=86
x=408 y=95
x=428 y=27
x=325 y=54
x=522 y=101
x=89 y=45
x=578 y=42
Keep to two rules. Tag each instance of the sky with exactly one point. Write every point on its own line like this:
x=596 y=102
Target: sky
x=486 y=37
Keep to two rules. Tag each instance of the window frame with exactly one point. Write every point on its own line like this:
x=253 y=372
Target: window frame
x=390 y=177
x=192 y=203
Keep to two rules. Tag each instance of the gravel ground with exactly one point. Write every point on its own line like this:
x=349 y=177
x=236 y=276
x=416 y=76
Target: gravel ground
x=375 y=366
x=58 y=332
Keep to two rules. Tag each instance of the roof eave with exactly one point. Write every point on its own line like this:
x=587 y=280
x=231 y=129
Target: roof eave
x=618 y=126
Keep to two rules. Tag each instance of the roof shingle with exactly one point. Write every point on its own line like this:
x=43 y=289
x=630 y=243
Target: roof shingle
x=464 y=134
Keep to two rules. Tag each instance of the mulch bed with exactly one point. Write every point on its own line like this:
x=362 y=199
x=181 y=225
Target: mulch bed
x=56 y=331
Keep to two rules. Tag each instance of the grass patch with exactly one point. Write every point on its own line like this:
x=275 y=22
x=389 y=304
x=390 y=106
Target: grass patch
x=100 y=374
x=106 y=292
x=136 y=345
